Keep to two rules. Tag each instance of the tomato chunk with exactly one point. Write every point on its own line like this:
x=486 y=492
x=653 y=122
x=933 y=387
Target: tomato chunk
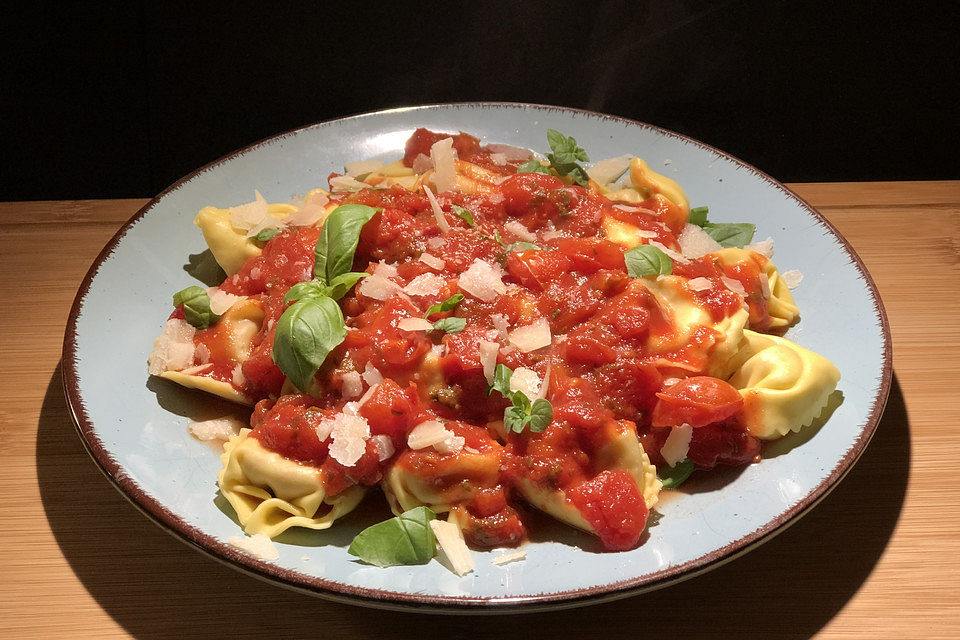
x=697 y=401
x=613 y=505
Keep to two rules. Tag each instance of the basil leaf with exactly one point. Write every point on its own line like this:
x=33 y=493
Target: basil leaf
x=541 y=414
x=447 y=305
x=308 y=289
x=405 y=539
x=731 y=234
x=565 y=155
x=515 y=419
x=338 y=241
x=673 y=477
x=196 y=306
x=266 y=234
x=533 y=166
x=307 y=332
x=501 y=381
x=450 y=325
x=464 y=213
x=521 y=246
x=647 y=260
x=342 y=284
x=698 y=216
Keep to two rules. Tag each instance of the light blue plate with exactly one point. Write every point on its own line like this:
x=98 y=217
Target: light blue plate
x=137 y=430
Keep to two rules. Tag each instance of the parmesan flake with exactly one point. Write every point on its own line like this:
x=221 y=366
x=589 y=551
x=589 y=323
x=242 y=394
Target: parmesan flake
x=362 y=167
x=532 y=336
x=258 y=545
x=483 y=281
x=451 y=542
x=488 y=358
x=437 y=211
x=173 y=350
x=699 y=284
x=511 y=556
x=352 y=385
x=517 y=229
x=432 y=261
x=349 y=435
x=444 y=165
x=792 y=278
x=526 y=381
x=426 y=284
x=414 y=324
x=221 y=301
x=695 y=242
x=426 y=434
x=216 y=429
x=346 y=184
x=677 y=444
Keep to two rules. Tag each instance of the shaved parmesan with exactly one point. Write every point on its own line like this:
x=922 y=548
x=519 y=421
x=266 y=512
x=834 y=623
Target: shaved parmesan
x=678 y=257
x=488 y=358
x=792 y=278
x=520 y=231
x=238 y=378
x=384 y=445
x=451 y=444
x=201 y=353
x=352 y=385
x=437 y=211
x=695 y=242
x=258 y=545
x=436 y=242
x=483 y=281
x=734 y=285
x=526 y=381
x=432 y=261
x=350 y=435
x=216 y=429
x=221 y=301
x=414 y=324
x=608 y=170
x=426 y=434
x=669 y=382
x=532 y=336
x=444 y=165
x=498 y=159
x=764 y=287
x=362 y=168
x=422 y=163
x=200 y=368
x=451 y=542
x=346 y=184
x=369 y=394
x=764 y=247
x=510 y=556
x=308 y=215
x=512 y=154
x=426 y=284
x=500 y=325
x=378 y=287
x=677 y=444
x=634 y=208
x=371 y=376
x=173 y=349
x=699 y=284
x=252 y=215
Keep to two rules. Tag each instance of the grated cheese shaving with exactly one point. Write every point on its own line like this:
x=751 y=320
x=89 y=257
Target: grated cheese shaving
x=216 y=428
x=520 y=231
x=258 y=545
x=677 y=444
x=371 y=375
x=238 y=378
x=432 y=261
x=734 y=285
x=362 y=167
x=437 y=211
x=483 y=281
x=510 y=556
x=422 y=163
x=426 y=434
x=346 y=184
x=352 y=385
x=792 y=278
x=173 y=350
x=451 y=445
x=699 y=284
x=764 y=247
x=444 y=165
x=202 y=353
x=221 y=301
x=451 y=542
x=488 y=358
x=532 y=336
x=414 y=324
x=384 y=445
x=350 y=435
x=606 y=171
x=498 y=159
x=695 y=242
x=426 y=284
x=526 y=381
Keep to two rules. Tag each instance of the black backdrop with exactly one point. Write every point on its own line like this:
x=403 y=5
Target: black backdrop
x=106 y=100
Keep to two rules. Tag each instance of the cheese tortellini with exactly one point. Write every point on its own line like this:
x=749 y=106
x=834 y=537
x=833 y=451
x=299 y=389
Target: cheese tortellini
x=783 y=311
x=784 y=386
x=622 y=451
x=271 y=493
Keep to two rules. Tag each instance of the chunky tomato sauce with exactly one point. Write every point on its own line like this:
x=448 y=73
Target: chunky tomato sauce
x=603 y=381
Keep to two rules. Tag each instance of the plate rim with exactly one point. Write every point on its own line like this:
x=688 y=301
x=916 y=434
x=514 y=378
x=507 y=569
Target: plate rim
x=398 y=600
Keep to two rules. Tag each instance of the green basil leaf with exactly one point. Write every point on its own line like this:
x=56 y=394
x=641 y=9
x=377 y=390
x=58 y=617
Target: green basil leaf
x=266 y=234
x=338 y=241
x=541 y=414
x=403 y=540
x=565 y=148
x=450 y=325
x=464 y=213
x=673 y=477
x=515 y=419
x=521 y=246
x=342 y=284
x=647 y=260
x=533 y=166
x=501 y=381
x=308 y=289
x=196 y=306
x=731 y=234
x=447 y=305
x=306 y=333
x=698 y=216
x=574 y=171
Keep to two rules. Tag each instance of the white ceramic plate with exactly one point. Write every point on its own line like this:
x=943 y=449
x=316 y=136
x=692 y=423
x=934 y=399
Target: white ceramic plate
x=136 y=429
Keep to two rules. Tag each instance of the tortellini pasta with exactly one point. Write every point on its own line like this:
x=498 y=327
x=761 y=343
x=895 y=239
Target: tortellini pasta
x=784 y=386
x=271 y=493
x=782 y=310
x=623 y=451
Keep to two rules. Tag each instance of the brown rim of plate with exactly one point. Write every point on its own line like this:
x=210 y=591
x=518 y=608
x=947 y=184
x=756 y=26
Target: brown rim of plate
x=384 y=599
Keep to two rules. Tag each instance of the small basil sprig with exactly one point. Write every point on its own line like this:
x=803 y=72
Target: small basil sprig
x=447 y=305
x=306 y=333
x=515 y=246
x=537 y=414
x=196 y=306
x=449 y=325
x=337 y=288
x=266 y=234
x=406 y=539
x=673 y=477
x=338 y=241
x=533 y=166
x=647 y=260
x=465 y=214
x=728 y=234
x=565 y=153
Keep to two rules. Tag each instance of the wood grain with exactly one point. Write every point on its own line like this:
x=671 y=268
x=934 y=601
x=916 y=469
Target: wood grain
x=879 y=558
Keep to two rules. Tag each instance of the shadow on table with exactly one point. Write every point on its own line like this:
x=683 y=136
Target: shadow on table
x=155 y=587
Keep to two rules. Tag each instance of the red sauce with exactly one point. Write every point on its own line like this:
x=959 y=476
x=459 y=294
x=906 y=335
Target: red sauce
x=605 y=382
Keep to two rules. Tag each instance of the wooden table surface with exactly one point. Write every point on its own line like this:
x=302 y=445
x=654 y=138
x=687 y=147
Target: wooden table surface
x=879 y=558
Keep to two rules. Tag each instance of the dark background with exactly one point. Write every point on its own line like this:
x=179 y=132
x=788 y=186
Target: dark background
x=121 y=99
